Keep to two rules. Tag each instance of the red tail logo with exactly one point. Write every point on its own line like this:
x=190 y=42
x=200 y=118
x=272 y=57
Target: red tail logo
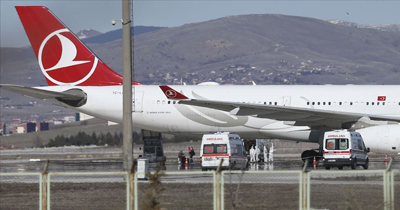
x=68 y=57
x=171 y=93
x=62 y=57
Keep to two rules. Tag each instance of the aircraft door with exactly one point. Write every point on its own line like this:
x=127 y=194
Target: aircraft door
x=137 y=101
x=286 y=100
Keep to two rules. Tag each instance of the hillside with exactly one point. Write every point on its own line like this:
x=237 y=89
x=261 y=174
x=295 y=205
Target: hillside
x=272 y=49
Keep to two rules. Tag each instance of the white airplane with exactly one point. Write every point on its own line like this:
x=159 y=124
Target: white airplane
x=80 y=81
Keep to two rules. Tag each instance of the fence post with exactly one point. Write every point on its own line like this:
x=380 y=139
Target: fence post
x=130 y=199
x=388 y=189
x=303 y=198
x=391 y=185
x=218 y=184
x=222 y=181
x=135 y=192
x=40 y=192
x=44 y=187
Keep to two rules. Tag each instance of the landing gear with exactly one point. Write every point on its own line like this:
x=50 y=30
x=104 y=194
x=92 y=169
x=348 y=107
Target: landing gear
x=310 y=154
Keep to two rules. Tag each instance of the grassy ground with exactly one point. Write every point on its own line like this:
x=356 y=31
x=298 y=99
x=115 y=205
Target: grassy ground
x=196 y=196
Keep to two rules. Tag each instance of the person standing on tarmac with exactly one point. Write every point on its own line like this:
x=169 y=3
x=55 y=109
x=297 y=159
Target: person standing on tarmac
x=191 y=154
x=271 y=153
x=181 y=158
x=265 y=154
x=252 y=154
x=257 y=154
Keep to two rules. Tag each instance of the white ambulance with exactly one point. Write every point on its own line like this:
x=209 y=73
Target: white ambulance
x=344 y=148
x=226 y=146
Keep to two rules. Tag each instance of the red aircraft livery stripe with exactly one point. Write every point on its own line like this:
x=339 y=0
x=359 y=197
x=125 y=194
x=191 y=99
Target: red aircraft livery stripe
x=381 y=98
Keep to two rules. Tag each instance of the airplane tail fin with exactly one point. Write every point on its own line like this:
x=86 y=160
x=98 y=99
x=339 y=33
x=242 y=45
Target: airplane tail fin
x=62 y=57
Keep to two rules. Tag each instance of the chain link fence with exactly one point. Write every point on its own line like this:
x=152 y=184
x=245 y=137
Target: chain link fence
x=21 y=191
x=396 y=188
x=317 y=189
x=346 y=189
x=260 y=189
x=177 y=190
x=106 y=190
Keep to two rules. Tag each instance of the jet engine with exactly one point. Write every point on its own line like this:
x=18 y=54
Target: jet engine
x=382 y=138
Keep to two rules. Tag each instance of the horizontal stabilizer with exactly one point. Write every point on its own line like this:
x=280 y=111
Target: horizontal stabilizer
x=73 y=97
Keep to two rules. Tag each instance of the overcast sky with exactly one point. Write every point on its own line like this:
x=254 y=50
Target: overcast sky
x=78 y=15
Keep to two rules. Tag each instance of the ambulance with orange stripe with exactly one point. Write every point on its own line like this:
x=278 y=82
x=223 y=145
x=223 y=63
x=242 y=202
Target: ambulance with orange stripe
x=226 y=146
x=344 y=148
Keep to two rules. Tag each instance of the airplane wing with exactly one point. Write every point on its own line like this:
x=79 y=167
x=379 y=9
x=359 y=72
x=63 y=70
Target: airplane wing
x=73 y=97
x=290 y=115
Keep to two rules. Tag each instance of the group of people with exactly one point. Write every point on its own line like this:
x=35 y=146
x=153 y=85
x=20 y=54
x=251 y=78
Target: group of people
x=255 y=153
x=182 y=158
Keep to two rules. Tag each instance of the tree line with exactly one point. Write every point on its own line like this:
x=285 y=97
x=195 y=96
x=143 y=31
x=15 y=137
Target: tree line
x=109 y=139
x=83 y=139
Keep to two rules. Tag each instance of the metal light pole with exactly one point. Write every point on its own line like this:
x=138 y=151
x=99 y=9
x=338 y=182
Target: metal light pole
x=127 y=84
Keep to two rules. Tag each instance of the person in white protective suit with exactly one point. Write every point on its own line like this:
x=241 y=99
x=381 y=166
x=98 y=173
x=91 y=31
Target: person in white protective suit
x=252 y=154
x=257 y=153
x=265 y=154
x=271 y=153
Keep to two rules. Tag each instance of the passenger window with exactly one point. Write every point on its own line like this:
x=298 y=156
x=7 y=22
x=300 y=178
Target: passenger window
x=355 y=144
x=239 y=149
x=360 y=144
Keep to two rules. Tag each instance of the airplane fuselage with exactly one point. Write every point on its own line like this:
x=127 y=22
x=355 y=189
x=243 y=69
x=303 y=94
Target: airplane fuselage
x=153 y=111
